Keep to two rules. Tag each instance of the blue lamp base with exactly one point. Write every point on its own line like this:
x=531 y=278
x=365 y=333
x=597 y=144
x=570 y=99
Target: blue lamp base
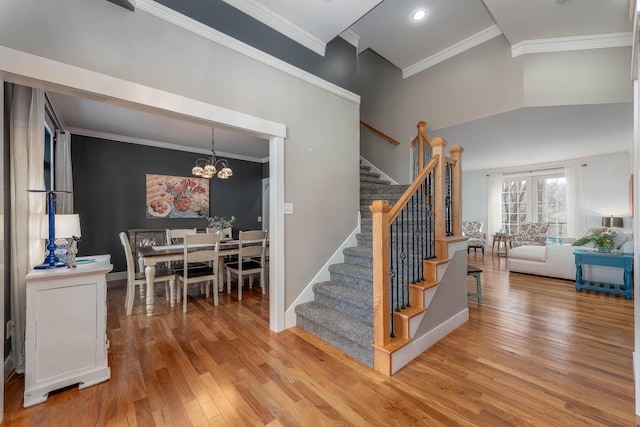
x=51 y=260
x=45 y=266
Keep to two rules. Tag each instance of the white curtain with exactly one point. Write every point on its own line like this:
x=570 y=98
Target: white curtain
x=63 y=173
x=576 y=220
x=26 y=129
x=494 y=209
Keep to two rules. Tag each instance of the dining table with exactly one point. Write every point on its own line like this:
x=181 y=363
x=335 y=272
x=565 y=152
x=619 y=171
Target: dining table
x=152 y=255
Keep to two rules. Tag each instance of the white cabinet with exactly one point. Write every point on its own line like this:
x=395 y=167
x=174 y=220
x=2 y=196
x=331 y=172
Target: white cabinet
x=65 y=337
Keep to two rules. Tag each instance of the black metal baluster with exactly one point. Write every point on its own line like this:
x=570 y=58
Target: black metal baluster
x=392 y=273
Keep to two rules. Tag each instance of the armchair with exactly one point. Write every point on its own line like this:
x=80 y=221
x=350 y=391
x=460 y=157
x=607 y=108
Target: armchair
x=477 y=238
x=531 y=234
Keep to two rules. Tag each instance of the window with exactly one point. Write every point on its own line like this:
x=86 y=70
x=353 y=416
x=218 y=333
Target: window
x=535 y=198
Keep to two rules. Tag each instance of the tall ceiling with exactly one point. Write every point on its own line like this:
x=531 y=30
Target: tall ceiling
x=383 y=26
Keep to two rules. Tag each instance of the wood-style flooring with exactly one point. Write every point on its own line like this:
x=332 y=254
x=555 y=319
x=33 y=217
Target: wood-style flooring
x=534 y=353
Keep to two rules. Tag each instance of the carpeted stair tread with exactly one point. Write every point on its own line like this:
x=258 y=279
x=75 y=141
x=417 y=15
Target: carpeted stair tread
x=346 y=299
x=372 y=188
x=358 y=256
x=344 y=332
x=351 y=270
x=366 y=179
x=369 y=174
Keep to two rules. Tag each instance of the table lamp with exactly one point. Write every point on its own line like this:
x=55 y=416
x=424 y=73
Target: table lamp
x=51 y=260
x=612 y=221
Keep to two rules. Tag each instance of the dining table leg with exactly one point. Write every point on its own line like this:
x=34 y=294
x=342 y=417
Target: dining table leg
x=150 y=274
x=220 y=274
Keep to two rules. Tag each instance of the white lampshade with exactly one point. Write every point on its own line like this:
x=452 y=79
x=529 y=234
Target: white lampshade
x=67 y=226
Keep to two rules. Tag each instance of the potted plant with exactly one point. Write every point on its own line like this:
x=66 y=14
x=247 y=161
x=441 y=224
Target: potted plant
x=603 y=240
x=220 y=223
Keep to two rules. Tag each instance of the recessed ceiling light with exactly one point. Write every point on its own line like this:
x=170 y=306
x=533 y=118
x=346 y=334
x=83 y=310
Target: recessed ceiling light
x=419 y=15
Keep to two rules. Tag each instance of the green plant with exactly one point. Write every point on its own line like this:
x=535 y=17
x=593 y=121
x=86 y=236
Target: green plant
x=219 y=222
x=603 y=239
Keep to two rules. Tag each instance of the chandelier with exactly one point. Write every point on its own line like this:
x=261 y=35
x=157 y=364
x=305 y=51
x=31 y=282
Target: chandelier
x=207 y=168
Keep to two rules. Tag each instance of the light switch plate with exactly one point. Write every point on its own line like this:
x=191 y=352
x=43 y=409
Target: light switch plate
x=288 y=208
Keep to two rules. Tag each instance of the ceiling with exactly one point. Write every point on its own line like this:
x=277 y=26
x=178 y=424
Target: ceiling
x=384 y=27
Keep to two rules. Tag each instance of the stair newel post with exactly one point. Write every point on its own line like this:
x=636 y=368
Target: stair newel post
x=439 y=204
x=381 y=293
x=421 y=142
x=456 y=154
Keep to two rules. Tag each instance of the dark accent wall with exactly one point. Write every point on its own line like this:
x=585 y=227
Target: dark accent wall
x=109 y=180
x=338 y=66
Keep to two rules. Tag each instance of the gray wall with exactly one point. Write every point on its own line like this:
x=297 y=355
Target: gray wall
x=337 y=66
x=110 y=192
x=482 y=82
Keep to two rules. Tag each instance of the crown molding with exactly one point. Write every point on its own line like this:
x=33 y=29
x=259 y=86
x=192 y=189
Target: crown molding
x=271 y=19
x=351 y=37
x=451 y=51
x=564 y=44
x=159 y=144
x=175 y=18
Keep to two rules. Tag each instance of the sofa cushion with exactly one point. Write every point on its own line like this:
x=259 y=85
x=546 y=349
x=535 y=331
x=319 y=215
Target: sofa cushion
x=529 y=253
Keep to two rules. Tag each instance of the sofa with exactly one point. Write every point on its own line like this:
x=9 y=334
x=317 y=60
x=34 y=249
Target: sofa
x=558 y=260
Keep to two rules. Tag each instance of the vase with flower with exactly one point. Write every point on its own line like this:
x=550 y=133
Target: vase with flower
x=603 y=241
x=220 y=223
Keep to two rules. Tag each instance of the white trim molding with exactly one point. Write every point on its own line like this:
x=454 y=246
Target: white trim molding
x=159 y=144
x=282 y=25
x=36 y=71
x=564 y=44
x=453 y=50
x=182 y=21
x=351 y=37
x=322 y=276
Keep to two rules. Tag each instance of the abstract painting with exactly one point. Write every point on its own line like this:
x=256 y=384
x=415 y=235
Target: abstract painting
x=177 y=197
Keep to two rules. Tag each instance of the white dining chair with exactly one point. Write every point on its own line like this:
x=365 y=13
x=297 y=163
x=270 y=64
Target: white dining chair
x=225 y=233
x=175 y=236
x=138 y=279
x=194 y=270
x=251 y=260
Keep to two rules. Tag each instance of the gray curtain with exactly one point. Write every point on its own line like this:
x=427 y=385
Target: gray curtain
x=26 y=130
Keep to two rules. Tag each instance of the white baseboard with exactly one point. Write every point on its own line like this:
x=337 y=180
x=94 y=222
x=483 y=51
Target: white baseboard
x=636 y=376
x=419 y=345
x=375 y=169
x=321 y=276
x=118 y=275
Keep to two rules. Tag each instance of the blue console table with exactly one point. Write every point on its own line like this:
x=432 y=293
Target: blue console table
x=621 y=260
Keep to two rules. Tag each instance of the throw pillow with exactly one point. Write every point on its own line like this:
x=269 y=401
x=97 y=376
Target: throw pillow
x=582 y=240
x=590 y=230
x=619 y=238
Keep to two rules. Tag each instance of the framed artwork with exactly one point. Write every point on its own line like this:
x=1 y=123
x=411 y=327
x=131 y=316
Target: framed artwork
x=176 y=197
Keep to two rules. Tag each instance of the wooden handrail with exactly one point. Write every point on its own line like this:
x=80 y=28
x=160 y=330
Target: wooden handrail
x=385 y=136
x=406 y=196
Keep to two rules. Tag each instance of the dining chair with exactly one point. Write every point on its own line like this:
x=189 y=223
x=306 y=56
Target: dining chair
x=199 y=265
x=251 y=260
x=138 y=279
x=226 y=233
x=175 y=236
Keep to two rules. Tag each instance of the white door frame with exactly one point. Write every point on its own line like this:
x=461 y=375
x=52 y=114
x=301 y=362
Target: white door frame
x=43 y=73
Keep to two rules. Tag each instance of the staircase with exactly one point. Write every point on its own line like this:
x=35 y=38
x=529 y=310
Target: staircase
x=342 y=312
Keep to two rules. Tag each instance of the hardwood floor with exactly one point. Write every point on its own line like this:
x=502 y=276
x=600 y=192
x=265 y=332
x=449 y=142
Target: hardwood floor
x=534 y=353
